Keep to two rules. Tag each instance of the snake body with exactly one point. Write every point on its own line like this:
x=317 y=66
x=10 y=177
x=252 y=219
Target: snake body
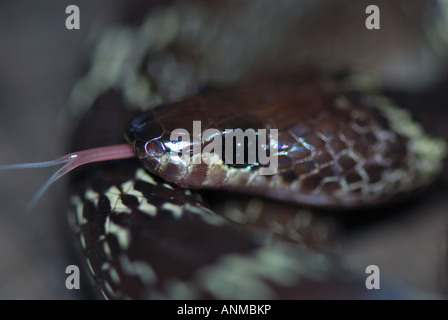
x=142 y=235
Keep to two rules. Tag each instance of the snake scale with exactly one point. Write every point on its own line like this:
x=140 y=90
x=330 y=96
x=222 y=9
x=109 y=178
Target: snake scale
x=343 y=145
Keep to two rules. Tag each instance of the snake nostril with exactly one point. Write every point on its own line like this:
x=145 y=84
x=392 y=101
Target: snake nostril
x=155 y=148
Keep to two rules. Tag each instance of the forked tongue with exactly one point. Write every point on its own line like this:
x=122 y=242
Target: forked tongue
x=72 y=161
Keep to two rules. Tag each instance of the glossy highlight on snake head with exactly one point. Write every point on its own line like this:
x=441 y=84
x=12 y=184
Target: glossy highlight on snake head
x=337 y=146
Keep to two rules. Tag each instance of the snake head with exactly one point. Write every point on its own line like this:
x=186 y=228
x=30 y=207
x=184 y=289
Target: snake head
x=171 y=141
x=150 y=137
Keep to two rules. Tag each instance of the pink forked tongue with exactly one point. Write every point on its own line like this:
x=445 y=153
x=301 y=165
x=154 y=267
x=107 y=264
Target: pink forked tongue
x=72 y=161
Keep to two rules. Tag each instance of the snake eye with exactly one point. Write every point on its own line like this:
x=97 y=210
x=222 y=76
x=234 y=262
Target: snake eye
x=155 y=149
x=240 y=152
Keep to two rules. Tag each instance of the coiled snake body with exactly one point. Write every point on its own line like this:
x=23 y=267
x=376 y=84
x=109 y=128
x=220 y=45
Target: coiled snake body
x=144 y=236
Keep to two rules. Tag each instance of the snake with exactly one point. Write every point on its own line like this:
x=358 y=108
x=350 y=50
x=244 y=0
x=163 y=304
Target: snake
x=142 y=230
x=145 y=236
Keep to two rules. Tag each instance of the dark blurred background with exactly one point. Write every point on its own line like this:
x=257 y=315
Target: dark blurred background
x=40 y=60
